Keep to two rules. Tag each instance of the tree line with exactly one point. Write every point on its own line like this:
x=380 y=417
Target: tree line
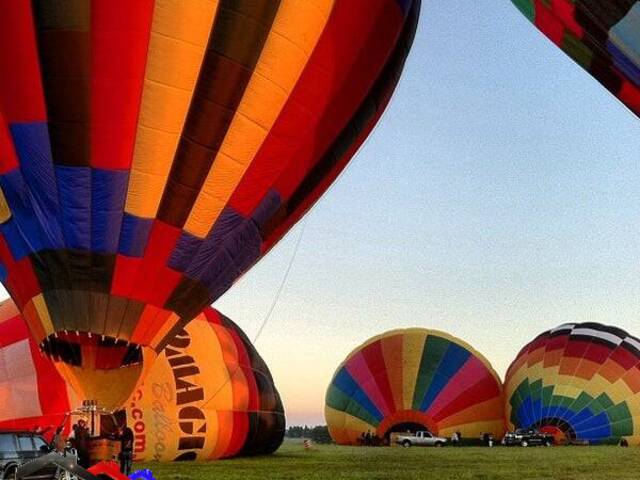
x=317 y=434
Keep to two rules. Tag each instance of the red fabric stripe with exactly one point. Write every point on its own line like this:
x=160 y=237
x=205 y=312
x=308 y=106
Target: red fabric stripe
x=565 y=10
x=349 y=54
x=212 y=315
x=21 y=96
x=576 y=348
x=245 y=364
x=548 y=23
x=162 y=241
x=375 y=361
x=48 y=423
x=13 y=330
x=8 y=157
x=52 y=389
x=119 y=40
x=630 y=95
x=482 y=391
x=239 y=433
x=624 y=358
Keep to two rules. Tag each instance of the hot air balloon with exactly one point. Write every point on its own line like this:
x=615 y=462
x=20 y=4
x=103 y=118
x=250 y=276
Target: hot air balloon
x=414 y=379
x=600 y=35
x=152 y=151
x=579 y=382
x=209 y=395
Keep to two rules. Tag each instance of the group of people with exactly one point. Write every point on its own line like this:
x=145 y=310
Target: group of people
x=79 y=440
x=370 y=440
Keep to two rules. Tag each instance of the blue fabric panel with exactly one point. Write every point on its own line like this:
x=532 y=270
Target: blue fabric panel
x=582 y=416
x=524 y=414
x=232 y=258
x=536 y=408
x=37 y=230
x=16 y=242
x=108 y=193
x=453 y=359
x=267 y=207
x=232 y=247
x=134 y=235
x=222 y=230
x=184 y=251
x=595 y=422
x=74 y=193
x=31 y=141
x=3 y=272
x=347 y=385
x=599 y=432
x=624 y=64
x=627 y=31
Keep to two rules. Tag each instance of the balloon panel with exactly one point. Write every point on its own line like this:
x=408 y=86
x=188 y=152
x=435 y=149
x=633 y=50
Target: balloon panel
x=148 y=159
x=600 y=35
x=414 y=376
x=579 y=381
x=209 y=395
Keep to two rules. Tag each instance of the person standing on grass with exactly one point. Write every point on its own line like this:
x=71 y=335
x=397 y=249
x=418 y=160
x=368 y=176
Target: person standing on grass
x=126 y=449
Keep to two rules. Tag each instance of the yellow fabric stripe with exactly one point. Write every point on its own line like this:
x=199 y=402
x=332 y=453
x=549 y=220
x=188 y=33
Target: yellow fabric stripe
x=5 y=211
x=179 y=35
x=345 y=429
x=43 y=312
x=411 y=356
x=295 y=31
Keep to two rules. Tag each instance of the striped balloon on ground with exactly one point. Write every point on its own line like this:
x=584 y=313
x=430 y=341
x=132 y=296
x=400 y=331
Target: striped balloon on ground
x=414 y=379
x=209 y=395
x=151 y=151
x=578 y=382
x=602 y=36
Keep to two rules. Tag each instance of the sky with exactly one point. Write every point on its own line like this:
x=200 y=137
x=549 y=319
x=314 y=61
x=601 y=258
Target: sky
x=496 y=198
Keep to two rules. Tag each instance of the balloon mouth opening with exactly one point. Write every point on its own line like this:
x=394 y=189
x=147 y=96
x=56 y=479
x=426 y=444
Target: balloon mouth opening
x=405 y=427
x=83 y=349
x=560 y=429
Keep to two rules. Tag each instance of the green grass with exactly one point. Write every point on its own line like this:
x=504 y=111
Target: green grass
x=333 y=462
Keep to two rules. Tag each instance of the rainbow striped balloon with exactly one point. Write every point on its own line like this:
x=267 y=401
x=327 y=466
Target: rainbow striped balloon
x=414 y=379
x=577 y=381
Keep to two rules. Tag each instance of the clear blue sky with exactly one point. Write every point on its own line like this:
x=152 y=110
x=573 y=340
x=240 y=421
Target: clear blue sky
x=498 y=196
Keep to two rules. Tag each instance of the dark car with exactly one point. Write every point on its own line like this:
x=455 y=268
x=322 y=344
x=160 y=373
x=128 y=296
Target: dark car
x=527 y=437
x=16 y=448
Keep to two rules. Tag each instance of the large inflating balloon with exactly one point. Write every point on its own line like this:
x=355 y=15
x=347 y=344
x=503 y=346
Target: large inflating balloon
x=577 y=381
x=152 y=151
x=414 y=379
x=209 y=395
x=603 y=36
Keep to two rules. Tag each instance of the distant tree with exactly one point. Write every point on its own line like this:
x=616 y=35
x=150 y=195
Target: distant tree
x=317 y=434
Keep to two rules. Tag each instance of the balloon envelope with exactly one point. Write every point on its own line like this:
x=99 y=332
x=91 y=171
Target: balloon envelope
x=600 y=35
x=152 y=151
x=577 y=381
x=209 y=395
x=414 y=379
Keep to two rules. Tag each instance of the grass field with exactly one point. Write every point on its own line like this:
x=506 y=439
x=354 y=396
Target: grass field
x=333 y=462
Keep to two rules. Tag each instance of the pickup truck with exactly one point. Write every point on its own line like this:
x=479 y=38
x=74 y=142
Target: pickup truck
x=525 y=437
x=422 y=439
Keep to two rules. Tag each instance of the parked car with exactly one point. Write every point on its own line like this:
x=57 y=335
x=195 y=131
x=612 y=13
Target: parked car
x=422 y=439
x=527 y=437
x=18 y=447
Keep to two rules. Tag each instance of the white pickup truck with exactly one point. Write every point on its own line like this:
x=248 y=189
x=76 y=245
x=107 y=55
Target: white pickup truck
x=422 y=439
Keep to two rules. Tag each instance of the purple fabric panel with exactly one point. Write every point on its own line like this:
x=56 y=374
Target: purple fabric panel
x=266 y=208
